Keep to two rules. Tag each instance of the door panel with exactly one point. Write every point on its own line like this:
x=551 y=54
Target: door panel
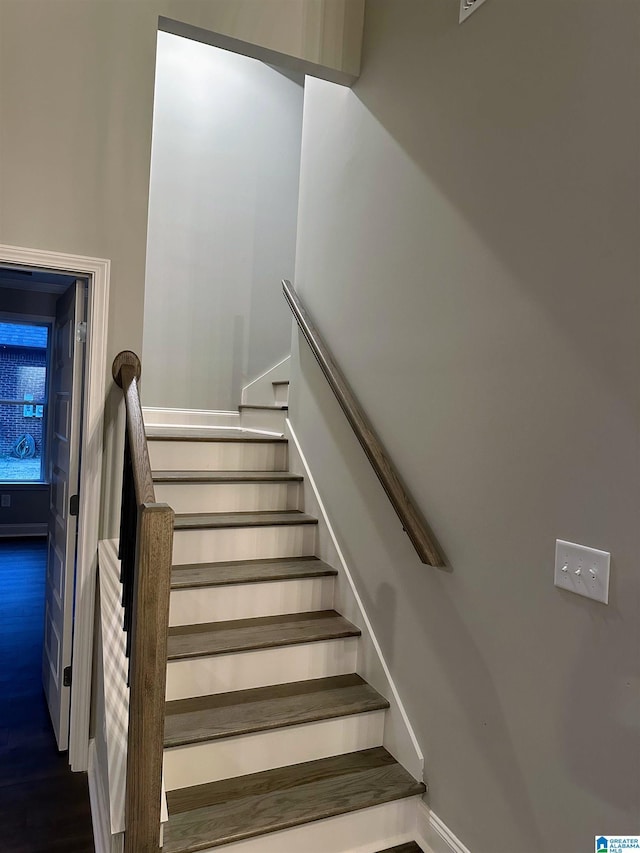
x=64 y=469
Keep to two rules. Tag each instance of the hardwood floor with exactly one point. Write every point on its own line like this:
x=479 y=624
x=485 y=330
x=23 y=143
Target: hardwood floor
x=44 y=807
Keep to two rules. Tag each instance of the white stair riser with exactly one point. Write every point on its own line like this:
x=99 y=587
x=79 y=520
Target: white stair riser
x=243 y=543
x=270 y=420
x=365 y=831
x=228 y=497
x=185 y=421
x=217 y=456
x=260 y=668
x=197 y=764
x=250 y=600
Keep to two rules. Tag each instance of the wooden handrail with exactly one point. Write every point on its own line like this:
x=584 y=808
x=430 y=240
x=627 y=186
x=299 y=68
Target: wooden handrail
x=412 y=520
x=126 y=373
x=146 y=549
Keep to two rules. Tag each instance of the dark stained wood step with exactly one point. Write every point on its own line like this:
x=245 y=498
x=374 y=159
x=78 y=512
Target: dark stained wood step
x=207 y=718
x=249 y=571
x=270 y=518
x=246 y=806
x=212 y=435
x=226 y=477
x=411 y=847
x=238 y=635
x=274 y=408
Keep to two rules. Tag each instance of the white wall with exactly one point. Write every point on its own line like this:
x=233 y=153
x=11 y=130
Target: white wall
x=223 y=200
x=468 y=246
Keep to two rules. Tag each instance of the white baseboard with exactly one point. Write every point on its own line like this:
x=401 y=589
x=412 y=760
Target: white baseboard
x=103 y=840
x=158 y=418
x=399 y=737
x=23 y=530
x=434 y=836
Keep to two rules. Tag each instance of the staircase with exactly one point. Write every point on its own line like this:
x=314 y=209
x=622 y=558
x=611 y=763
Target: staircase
x=267 y=409
x=273 y=743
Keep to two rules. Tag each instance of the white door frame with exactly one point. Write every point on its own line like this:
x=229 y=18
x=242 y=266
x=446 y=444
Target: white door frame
x=97 y=270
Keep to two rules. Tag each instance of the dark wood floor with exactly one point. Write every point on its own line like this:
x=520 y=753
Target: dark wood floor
x=44 y=807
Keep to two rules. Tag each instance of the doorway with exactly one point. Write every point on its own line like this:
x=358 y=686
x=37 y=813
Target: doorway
x=42 y=322
x=73 y=497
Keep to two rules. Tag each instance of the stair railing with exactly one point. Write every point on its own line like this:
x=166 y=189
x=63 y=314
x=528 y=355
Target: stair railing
x=412 y=520
x=146 y=544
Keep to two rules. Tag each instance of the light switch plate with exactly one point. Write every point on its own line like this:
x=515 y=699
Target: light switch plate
x=582 y=570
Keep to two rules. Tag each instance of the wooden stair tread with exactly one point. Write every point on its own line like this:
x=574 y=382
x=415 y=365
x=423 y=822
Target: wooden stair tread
x=411 y=847
x=207 y=718
x=222 y=435
x=269 y=518
x=273 y=408
x=249 y=571
x=243 y=807
x=226 y=477
x=186 y=641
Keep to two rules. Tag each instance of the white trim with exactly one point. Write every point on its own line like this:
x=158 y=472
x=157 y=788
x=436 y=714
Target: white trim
x=402 y=741
x=33 y=529
x=97 y=270
x=434 y=835
x=103 y=840
x=266 y=373
x=99 y=807
x=159 y=430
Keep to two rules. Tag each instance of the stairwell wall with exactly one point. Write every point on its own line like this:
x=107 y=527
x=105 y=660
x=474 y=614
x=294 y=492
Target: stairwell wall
x=76 y=107
x=467 y=245
x=223 y=201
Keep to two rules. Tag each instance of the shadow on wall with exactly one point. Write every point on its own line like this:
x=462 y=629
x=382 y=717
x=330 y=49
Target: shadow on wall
x=532 y=172
x=452 y=652
x=616 y=701
x=467 y=247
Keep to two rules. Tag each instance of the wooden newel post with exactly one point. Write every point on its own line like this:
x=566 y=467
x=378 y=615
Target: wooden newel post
x=149 y=625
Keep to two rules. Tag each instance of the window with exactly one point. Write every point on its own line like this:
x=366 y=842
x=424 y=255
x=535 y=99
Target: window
x=23 y=401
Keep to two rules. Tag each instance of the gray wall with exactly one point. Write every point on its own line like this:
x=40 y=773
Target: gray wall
x=76 y=106
x=223 y=201
x=468 y=245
